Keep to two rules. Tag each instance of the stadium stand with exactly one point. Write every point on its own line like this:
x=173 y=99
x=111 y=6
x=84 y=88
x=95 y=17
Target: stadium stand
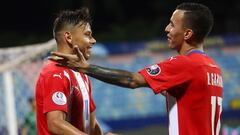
x=117 y=106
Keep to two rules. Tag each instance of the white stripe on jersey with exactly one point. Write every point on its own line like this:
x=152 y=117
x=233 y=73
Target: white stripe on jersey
x=86 y=106
x=173 y=115
x=67 y=75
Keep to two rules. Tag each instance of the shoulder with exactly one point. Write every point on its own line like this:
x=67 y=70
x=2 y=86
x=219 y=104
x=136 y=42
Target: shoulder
x=176 y=64
x=51 y=71
x=180 y=60
x=52 y=68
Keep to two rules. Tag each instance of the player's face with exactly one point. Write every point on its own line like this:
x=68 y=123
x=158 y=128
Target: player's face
x=175 y=30
x=82 y=37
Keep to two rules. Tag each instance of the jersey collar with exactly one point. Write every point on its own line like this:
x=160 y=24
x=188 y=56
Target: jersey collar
x=196 y=51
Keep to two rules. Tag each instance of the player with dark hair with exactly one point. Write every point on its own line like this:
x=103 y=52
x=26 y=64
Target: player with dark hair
x=63 y=96
x=192 y=81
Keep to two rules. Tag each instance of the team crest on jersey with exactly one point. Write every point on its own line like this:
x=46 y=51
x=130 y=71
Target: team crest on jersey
x=153 y=70
x=59 y=98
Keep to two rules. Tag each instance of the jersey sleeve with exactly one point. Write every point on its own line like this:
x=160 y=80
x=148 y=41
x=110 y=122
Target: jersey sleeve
x=92 y=104
x=56 y=91
x=167 y=74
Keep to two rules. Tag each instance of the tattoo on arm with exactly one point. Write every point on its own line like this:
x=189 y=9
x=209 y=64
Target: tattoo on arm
x=114 y=76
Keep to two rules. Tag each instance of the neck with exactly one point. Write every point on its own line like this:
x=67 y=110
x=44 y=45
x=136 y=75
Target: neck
x=187 y=48
x=64 y=48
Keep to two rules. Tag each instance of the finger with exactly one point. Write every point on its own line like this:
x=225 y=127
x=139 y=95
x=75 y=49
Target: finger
x=58 y=60
x=63 y=55
x=54 y=58
x=79 y=53
x=59 y=65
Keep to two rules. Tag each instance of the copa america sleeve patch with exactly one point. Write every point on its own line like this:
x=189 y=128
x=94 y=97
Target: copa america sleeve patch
x=153 y=70
x=59 y=98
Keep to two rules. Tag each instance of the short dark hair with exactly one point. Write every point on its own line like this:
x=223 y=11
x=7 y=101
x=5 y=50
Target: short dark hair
x=71 y=18
x=197 y=17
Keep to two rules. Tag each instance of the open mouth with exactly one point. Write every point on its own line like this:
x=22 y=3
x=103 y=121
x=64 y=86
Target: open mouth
x=89 y=49
x=168 y=38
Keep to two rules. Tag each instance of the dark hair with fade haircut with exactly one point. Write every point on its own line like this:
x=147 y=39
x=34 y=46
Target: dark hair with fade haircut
x=72 y=18
x=197 y=17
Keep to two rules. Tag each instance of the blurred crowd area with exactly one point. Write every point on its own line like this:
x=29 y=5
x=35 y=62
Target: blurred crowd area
x=129 y=112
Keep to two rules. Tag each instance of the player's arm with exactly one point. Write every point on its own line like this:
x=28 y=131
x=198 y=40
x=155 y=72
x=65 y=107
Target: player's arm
x=114 y=76
x=94 y=125
x=58 y=125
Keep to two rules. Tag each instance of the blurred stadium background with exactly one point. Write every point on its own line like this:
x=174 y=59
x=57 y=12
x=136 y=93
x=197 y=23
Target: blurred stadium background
x=128 y=112
x=130 y=37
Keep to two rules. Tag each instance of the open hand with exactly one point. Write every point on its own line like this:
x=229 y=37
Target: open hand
x=74 y=61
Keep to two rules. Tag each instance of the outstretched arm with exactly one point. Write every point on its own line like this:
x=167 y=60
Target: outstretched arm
x=113 y=76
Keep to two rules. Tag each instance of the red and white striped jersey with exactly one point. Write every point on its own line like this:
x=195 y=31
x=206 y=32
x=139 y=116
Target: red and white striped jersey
x=62 y=89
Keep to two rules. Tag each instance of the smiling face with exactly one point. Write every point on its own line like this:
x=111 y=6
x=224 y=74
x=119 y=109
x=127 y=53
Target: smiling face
x=82 y=37
x=175 y=30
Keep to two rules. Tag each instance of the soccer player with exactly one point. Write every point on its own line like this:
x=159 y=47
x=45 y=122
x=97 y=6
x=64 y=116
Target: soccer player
x=191 y=81
x=63 y=96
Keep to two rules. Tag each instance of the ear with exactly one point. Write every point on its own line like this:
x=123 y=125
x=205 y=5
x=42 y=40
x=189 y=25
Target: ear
x=188 y=34
x=68 y=37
